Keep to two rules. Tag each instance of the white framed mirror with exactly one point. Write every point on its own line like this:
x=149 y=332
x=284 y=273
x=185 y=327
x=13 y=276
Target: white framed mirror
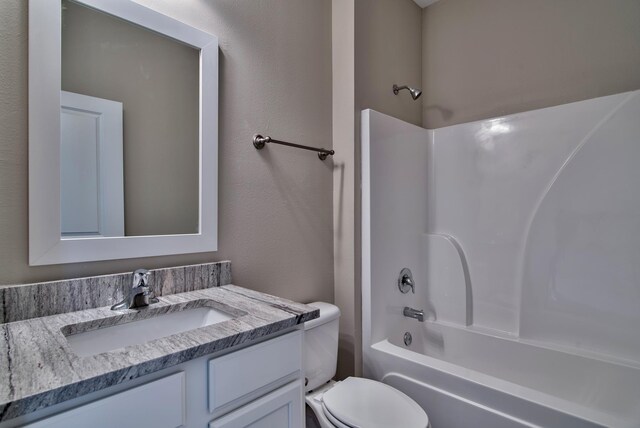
x=123 y=133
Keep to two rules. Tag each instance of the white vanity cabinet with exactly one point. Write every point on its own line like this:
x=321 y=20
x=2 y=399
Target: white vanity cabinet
x=165 y=396
x=283 y=408
x=236 y=379
x=259 y=386
x=240 y=378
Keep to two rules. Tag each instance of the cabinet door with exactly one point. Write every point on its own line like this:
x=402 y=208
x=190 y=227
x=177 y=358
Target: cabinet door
x=242 y=376
x=280 y=409
x=158 y=404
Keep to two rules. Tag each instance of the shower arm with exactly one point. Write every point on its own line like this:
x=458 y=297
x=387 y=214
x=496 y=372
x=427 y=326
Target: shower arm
x=397 y=88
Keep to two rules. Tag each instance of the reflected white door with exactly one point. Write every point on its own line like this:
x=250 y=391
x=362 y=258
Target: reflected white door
x=91 y=166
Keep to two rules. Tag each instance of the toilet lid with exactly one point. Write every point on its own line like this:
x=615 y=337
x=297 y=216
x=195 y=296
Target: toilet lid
x=366 y=403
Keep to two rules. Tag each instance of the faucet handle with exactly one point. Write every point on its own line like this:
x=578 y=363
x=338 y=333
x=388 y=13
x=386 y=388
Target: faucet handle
x=140 y=278
x=140 y=294
x=405 y=281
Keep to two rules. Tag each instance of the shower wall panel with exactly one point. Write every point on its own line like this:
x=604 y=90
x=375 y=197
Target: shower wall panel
x=526 y=225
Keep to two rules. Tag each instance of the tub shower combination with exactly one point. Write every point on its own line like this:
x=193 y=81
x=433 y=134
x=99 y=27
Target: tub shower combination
x=522 y=238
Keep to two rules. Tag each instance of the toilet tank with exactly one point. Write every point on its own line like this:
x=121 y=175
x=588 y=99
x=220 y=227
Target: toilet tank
x=321 y=346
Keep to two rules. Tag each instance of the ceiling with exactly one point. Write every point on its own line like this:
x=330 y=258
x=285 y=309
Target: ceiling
x=424 y=3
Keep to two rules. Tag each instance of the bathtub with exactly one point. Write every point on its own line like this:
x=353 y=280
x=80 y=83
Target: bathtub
x=464 y=377
x=523 y=259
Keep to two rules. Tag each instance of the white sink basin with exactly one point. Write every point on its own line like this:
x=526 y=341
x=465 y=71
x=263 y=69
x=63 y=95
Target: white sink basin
x=137 y=332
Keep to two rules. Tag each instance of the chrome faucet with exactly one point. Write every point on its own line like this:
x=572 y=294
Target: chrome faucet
x=140 y=294
x=413 y=313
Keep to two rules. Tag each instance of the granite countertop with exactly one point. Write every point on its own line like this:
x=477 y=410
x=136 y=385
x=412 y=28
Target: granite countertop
x=39 y=369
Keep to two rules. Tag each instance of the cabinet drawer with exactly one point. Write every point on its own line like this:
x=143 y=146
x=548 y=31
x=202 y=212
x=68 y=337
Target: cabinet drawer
x=158 y=404
x=237 y=378
x=282 y=409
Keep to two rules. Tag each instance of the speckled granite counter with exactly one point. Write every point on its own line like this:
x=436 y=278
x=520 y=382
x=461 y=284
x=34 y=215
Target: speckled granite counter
x=39 y=369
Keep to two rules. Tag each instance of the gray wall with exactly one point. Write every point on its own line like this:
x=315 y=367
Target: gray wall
x=156 y=80
x=489 y=58
x=275 y=214
x=344 y=182
x=387 y=41
x=388 y=51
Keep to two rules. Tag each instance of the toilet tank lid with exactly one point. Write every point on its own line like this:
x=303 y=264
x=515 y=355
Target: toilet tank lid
x=328 y=312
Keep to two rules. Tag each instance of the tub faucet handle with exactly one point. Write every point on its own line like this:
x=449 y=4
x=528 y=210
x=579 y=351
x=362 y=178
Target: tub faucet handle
x=405 y=281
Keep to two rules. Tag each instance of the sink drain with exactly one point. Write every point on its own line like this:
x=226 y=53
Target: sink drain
x=407 y=338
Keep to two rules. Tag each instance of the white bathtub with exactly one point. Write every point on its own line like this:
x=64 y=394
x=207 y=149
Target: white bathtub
x=522 y=252
x=467 y=378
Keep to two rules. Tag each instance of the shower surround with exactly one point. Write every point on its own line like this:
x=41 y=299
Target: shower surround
x=523 y=235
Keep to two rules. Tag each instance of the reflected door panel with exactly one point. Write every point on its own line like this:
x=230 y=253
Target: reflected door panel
x=91 y=179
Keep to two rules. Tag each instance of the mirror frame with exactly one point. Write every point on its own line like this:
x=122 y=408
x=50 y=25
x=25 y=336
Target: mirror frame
x=46 y=245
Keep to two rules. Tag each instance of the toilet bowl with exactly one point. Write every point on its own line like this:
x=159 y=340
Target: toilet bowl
x=353 y=402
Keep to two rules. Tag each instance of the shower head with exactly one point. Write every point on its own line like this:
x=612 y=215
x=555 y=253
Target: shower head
x=415 y=92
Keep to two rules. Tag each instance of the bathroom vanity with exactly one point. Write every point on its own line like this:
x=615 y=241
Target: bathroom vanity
x=223 y=356
x=199 y=392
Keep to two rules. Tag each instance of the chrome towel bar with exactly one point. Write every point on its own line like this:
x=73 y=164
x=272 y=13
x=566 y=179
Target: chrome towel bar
x=259 y=142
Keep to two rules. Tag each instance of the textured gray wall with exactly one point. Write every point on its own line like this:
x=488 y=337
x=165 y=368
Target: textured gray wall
x=275 y=214
x=490 y=58
x=388 y=51
x=344 y=182
x=387 y=39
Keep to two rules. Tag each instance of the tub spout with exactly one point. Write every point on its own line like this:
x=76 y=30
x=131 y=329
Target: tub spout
x=413 y=313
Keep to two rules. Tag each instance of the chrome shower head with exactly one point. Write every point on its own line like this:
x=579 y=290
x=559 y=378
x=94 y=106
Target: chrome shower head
x=415 y=92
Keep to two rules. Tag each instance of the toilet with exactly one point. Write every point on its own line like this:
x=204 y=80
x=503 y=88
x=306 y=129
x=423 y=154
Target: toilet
x=353 y=402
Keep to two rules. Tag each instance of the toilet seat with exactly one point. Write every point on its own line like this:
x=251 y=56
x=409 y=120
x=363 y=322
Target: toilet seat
x=334 y=422
x=358 y=402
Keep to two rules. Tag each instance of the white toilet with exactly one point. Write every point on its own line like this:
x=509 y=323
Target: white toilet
x=353 y=402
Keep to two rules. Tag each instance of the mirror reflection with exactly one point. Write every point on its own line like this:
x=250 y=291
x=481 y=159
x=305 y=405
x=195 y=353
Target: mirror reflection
x=129 y=129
